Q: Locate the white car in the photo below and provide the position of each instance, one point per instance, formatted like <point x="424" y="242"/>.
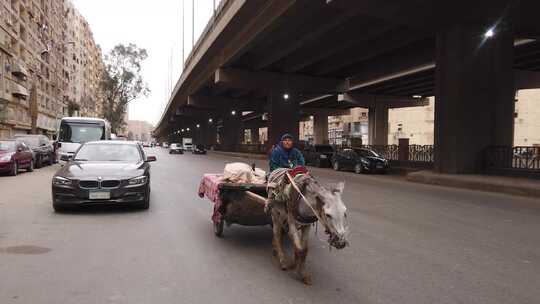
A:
<point x="176" y="149"/>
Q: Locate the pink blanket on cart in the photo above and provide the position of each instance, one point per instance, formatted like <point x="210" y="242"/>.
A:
<point x="209" y="187"/>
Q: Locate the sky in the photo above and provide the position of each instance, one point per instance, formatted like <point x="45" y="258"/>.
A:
<point x="155" y="25"/>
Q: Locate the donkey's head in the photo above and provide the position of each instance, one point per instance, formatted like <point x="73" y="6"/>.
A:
<point x="331" y="211"/>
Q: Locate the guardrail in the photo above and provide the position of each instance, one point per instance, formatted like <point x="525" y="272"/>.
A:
<point x="523" y="160"/>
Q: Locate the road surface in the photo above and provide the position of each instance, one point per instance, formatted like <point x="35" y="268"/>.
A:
<point x="410" y="243"/>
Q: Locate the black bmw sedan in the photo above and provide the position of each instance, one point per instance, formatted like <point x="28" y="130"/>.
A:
<point x="104" y="172"/>
<point x="360" y="161"/>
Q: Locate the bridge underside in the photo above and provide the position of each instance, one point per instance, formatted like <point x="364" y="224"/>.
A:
<point x="283" y="61"/>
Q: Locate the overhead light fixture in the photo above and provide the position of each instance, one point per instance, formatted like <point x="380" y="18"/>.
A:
<point x="209" y="120"/>
<point x="417" y="96"/>
<point x="233" y="112"/>
<point x="182" y="130"/>
<point x="187" y="129"/>
<point x="285" y="96"/>
<point x="489" y="33"/>
<point x="198" y="126"/>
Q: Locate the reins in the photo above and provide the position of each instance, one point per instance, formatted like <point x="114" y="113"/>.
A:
<point x="295" y="186"/>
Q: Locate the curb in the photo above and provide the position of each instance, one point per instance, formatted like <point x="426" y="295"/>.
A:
<point x="514" y="186"/>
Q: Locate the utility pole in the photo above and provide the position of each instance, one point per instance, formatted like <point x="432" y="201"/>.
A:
<point x="192" y="24"/>
<point x="183" y="62"/>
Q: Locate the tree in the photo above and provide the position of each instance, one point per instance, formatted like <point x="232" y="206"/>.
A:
<point x="122" y="82"/>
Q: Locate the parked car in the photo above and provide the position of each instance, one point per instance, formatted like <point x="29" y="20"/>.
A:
<point x="15" y="155"/>
<point x="41" y="147"/>
<point x="104" y="172"/>
<point x="176" y="148"/>
<point x="318" y="155"/>
<point x="360" y="161"/>
<point x="199" y="149"/>
<point x="165" y="145"/>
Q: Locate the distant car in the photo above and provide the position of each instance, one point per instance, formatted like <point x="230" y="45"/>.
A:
<point x="41" y="147"/>
<point x="360" y="161"/>
<point x="146" y="145"/>
<point x="106" y="173"/>
<point x="165" y="145"/>
<point x="15" y="155"/>
<point x="318" y="155"/>
<point x="199" y="149"/>
<point x="176" y="148"/>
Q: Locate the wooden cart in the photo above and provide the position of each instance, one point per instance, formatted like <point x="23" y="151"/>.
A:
<point x="234" y="203"/>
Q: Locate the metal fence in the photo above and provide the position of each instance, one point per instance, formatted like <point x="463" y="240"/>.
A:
<point x="416" y="153"/>
<point x="520" y="158"/>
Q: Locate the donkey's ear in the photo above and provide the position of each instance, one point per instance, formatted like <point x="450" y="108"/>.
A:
<point x="339" y="187"/>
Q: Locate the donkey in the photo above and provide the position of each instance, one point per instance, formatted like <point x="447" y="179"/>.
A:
<point x="298" y="202"/>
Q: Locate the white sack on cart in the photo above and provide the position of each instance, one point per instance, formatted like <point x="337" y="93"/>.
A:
<point x="243" y="173"/>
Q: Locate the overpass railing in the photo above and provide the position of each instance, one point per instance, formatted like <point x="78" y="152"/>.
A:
<point x="519" y="160"/>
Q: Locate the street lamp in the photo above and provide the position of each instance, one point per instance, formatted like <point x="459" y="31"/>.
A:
<point x="489" y="33"/>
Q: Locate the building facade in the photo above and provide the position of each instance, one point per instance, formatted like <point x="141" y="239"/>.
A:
<point x="49" y="66"/>
<point x="139" y="130"/>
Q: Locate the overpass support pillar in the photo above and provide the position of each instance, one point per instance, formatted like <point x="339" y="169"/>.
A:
<point x="378" y="125"/>
<point x="230" y="133"/>
<point x="474" y="104"/>
<point x="206" y="135"/>
<point x="320" y="128"/>
<point x="284" y="117"/>
<point x="254" y="132"/>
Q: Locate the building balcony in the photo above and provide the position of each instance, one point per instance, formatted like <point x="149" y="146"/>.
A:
<point x="19" y="91"/>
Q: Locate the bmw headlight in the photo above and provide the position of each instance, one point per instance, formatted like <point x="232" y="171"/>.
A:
<point x="141" y="180"/>
<point x="61" y="181"/>
<point x="6" y="157"/>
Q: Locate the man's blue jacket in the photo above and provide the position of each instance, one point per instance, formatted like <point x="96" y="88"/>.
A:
<point x="282" y="158"/>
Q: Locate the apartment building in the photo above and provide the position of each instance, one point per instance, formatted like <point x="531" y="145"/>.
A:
<point x="139" y="130"/>
<point x="49" y="66"/>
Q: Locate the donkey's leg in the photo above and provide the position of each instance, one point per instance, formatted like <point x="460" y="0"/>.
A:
<point x="277" y="240"/>
<point x="301" y="264"/>
<point x="300" y="251"/>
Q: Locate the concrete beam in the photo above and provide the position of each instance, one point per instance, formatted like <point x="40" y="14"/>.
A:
<point x="222" y="103"/>
<point x="369" y="100"/>
<point x="526" y="79"/>
<point x="277" y="83"/>
<point x="327" y="112"/>
<point x="393" y="40"/>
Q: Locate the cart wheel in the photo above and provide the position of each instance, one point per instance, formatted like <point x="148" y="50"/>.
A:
<point x="218" y="228"/>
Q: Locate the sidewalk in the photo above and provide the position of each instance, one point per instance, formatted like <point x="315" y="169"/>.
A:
<point x="491" y="183"/>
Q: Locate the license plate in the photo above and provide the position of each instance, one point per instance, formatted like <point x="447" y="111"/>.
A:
<point x="380" y="166"/>
<point x="99" y="195"/>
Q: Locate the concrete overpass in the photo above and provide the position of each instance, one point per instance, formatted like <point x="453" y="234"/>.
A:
<point x="289" y="59"/>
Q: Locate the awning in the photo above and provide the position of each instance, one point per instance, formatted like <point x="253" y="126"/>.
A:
<point x="18" y="90"/>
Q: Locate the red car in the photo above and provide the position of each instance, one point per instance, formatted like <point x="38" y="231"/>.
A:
<point x="15" y="155"/>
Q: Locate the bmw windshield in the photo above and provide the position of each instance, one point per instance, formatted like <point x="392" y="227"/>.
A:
<point x="108" y="152"/>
